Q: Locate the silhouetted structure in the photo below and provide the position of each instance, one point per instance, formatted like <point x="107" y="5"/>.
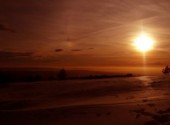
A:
<point x="62" y="74"/>
<point x="166" y="70"/>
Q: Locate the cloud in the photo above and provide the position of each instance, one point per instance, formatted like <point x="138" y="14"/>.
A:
<point x="90" y="48"/>
<point x="5" y="28"/>
<point x="12" y="58"/>
<point x="76" y="50"/>
<point x="157" y="63"/>
<point x="59" y="50"/>
<point x="8" y="54"/>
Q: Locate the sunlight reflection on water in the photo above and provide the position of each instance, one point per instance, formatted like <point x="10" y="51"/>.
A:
<point x="146" y="80"/>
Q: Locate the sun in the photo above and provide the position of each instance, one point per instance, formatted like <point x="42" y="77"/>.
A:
<point x="143" y="42"/>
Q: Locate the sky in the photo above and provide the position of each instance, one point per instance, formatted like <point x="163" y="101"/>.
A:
<point x="82" y="33"/>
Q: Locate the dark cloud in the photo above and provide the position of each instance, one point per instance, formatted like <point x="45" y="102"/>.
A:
<point x="5" y="28"/>
<point x="59" y="50"/>
<point x="77" y="50"/>
<point x="8" y="54"/>
<point x="157" y="64"/>
<point x="16" y="58"/>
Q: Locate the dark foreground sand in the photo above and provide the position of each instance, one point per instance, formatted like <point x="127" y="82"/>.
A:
<point x="119" y="101"/>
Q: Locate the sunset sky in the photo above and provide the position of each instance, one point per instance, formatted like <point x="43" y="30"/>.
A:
<point x="82" y="33"/>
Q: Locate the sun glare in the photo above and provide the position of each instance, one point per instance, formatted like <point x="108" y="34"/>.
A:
<point x="143" y="42"/>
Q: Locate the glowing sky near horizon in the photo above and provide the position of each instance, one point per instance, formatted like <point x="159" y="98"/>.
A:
<point x="82" y="32"/>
